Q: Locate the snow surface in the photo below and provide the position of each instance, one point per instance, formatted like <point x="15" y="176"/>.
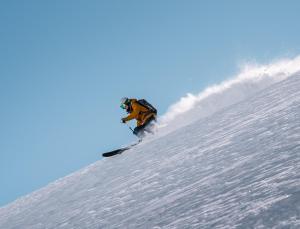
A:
<point x="251" y="79"/>
<point x="236" y="168"/>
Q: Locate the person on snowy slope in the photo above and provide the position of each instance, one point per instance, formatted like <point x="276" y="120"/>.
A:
<point x="142" y="111"/>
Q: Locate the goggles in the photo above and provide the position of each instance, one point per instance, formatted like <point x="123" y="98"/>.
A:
<point x="123" y="106"/>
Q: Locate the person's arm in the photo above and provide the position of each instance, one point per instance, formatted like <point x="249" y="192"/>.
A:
<point x="135" y="112"/>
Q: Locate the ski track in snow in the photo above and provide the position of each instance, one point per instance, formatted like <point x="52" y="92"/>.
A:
<point x="238" y="168"/>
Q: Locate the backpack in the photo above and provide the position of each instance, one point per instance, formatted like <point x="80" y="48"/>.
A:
<point x="147" y="105"/>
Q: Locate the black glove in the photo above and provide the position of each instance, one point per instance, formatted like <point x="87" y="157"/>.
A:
<point x="123" y="120"/>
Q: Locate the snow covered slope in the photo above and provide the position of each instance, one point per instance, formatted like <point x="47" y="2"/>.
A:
<point x="251" y="79"/>
<point x="237" y="168"/>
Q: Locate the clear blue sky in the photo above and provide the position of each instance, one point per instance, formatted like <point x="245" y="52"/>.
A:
<point x="66" y="64"/>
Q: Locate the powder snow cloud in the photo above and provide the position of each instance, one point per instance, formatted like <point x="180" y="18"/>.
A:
<point x="251" y="79"/>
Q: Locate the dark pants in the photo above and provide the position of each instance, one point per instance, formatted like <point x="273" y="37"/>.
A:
<point x="146" y="127"/>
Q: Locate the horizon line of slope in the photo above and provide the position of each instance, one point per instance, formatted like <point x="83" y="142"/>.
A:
<point x="238" y="167"/>
<point x="252" y="79"/>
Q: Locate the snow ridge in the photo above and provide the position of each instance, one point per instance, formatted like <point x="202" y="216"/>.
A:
<point x="251" y="79"/>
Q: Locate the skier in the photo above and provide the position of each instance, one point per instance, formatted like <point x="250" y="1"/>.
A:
<point x="142" y="111"/>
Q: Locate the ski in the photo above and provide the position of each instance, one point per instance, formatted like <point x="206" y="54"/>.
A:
<point x="119" y="151"/>
<point x="115" y="152"/>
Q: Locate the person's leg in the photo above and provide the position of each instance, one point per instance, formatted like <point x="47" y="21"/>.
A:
<point x="139" y="131"/>
<point x="147" y="126"/>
